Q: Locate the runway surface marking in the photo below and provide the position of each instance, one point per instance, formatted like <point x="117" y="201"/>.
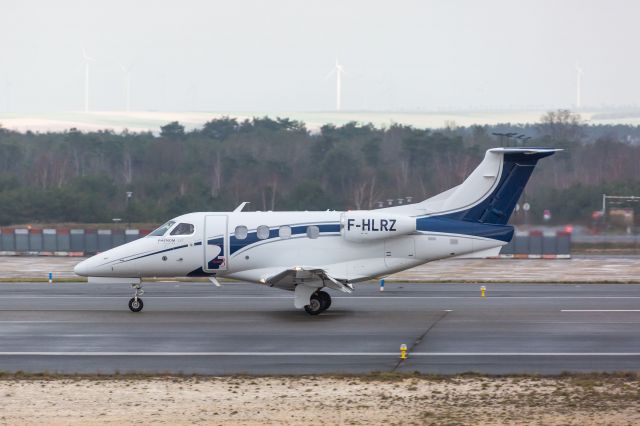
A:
<point x="422" y="337"/>
<point x="332" y="354"/>
<point x="333" y="297"/>
<point x="600" y="310"/>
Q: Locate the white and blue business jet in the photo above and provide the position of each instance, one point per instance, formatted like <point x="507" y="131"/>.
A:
<point x="307" y="252"/>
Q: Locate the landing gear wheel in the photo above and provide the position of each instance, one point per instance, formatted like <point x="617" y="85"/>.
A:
<point x="315" y="305"/>
<point x="135" y="304"/>
<point x="325" y="299"/>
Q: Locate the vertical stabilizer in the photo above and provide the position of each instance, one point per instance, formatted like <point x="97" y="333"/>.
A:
<point x="491" y="191"/>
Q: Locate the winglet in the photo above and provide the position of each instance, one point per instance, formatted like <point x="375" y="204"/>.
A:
<point x="241" y="206"/>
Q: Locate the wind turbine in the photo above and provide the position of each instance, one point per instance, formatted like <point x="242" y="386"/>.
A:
<point x="87" y="60"/>
<point x="337" y="70"/>
<point x="127" y="85"/>
<point x="578" y="86"/>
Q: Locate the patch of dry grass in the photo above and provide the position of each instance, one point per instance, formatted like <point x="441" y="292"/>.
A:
<point x="371" y="399"/>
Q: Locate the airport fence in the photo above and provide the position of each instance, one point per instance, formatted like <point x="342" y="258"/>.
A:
<point x="64" y="242"/>
<point x="81" y="242"/>
<point x="538" y="245"/>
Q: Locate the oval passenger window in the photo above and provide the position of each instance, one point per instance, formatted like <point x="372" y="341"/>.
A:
<point x="284" y="231"/>
<point x="263" y="232"/>
<point x="241" y="232"/>
<point x="313" y="231"/>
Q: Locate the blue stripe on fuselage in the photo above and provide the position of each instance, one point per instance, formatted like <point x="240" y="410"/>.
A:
<point x="427" y="224"/>
<point x="252" y="237"/>
<point x="462" y="227"/>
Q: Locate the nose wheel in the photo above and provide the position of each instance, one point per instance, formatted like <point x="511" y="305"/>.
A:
<point x="135" y="304"/>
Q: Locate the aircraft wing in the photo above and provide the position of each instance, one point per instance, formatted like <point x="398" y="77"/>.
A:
<point x="299" y="275"/>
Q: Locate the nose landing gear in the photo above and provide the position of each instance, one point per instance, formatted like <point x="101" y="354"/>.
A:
<point x="135" y="304"/>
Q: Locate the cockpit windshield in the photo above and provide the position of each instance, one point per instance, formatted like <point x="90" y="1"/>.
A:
<point x="183" y="229"/>
<point x="162" y="230"/>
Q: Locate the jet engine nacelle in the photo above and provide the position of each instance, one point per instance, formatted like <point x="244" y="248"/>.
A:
<point x="365" y="226"/>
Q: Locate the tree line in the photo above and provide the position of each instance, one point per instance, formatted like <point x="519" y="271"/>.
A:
<point x="278" y="164"/>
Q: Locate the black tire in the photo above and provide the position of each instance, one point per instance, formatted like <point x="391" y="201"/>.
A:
<point x="135" y="305"/>
<point x="325" y="299"/>
<point x="315" y="305"/>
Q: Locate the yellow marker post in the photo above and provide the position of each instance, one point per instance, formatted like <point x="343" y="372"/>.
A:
<point x="483" y="290"/>
<point x="403" y="351"/>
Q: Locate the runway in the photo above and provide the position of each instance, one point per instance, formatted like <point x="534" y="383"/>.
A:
<point x="244" y="328"/>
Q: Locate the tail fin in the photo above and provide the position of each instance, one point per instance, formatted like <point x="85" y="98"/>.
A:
<point x="490" y="193"/>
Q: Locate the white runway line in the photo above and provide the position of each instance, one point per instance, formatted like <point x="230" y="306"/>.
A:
<point x="329" y="354"/>
<point x="600" y="310"/>
<point x="333" y="297"/>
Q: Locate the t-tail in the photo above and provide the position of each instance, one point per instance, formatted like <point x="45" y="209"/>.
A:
<point x="490" y="193"/>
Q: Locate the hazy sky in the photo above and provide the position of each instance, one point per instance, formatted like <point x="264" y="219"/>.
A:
<point x="246" y="55"/>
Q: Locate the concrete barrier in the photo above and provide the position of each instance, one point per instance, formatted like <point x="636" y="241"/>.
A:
<point x="63" y="240"/>
<point x="117" y="238"/>
<point x="549" y="246"/>
<point x="81" y="242"/>
<point x="22" y="240"/>
<point x="76" y="240"/>
<point x="8" y="240"/>
<point x="104" y="240"/>
<point x="131" y="235"/>
<point x="537" y="245"/>
<point x="563" y="244"/>
<point x="521" y="245"/>
<point x="49" y="240"/>
<point x="35" y="240"/>
<point x="90" y="241"/>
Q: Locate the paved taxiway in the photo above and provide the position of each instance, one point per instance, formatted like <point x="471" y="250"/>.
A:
<point x="244" y="328"/>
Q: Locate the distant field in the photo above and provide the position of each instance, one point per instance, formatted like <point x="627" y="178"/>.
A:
<point x="152" y="120"/>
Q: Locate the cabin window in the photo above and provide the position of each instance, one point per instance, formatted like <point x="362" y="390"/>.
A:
<point x="183" y="229"/>
<point x="284" y="231"/>
<point x="162" y="230"/>
<point x="313" y="231"/>
<point x="263" y="232"/>
<point x="241" y="232"/>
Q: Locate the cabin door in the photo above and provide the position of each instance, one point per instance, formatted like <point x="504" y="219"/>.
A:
<point x="216" y="243"/>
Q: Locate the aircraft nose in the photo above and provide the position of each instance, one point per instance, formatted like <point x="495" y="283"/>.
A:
<point x="82" y="268"/>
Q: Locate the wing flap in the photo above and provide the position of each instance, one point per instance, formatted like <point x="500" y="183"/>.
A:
<point x="299" y="275"/>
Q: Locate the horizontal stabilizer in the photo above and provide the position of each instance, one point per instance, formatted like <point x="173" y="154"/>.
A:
<point x="528" y="151"/>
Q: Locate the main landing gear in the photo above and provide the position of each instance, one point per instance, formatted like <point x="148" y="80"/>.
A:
<point x="319" y="302"/>
<point x="135" y="304"/>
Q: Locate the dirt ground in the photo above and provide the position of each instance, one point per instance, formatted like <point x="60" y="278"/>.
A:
<point x="415" y="400"/>
<point x="596" y="269"/>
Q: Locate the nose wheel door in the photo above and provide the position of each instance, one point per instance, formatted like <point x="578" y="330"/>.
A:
<point x="215" y="243"/>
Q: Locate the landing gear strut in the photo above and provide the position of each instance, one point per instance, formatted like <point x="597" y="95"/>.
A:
<point x="135" y="304"/>
<point x="319" y="302"/>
